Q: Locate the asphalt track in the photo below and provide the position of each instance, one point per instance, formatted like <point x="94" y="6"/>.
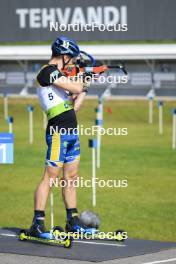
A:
<point x="128" y="252"/>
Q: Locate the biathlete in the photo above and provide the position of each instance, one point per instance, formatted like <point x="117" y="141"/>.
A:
<point x="63" y="153"/>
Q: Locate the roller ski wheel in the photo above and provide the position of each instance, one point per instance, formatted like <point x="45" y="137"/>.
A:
<point x="57" y="231"/>
<point x="68" y="243"/>
<point x="119" y="235"/>
<point x="23" y="234"/>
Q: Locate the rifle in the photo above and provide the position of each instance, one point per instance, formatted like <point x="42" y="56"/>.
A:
<point x="81" y="67"/>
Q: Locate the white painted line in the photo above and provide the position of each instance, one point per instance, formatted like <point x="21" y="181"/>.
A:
<point x="161" y="261"/>
<point x="8" y="235"/>
<point x="98" y="243"/>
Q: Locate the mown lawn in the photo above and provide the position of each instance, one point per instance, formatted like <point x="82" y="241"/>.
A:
<point x="145" y="209"/>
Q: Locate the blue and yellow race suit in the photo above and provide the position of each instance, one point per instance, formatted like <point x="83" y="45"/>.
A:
<point x="62" y="141"/>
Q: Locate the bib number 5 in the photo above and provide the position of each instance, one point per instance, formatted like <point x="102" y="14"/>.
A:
<point x="50" y="96"/>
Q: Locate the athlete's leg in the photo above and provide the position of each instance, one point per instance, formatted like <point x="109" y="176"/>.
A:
<point x="43" y="189"/>
<point x="40" y="199"/>
<point x="54" y="165"/>
<point x="70" y="174"/>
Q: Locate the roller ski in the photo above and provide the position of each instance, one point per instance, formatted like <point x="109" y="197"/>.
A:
<point x="38" y="234"/>
<point x="86" y="227"/>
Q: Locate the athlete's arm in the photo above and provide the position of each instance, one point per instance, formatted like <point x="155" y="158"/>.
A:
<point x="50" y="75"/>
<point x="78" y="101"/>
<point x="65" y="83"/>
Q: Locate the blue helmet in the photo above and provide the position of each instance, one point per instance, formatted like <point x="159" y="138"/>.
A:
<point x="65" y="46"/>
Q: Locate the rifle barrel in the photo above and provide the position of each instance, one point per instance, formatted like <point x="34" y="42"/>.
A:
<point x="118" y="67"/>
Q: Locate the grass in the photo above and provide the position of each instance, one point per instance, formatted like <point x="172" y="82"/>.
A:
<point x="145" y="209"/>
